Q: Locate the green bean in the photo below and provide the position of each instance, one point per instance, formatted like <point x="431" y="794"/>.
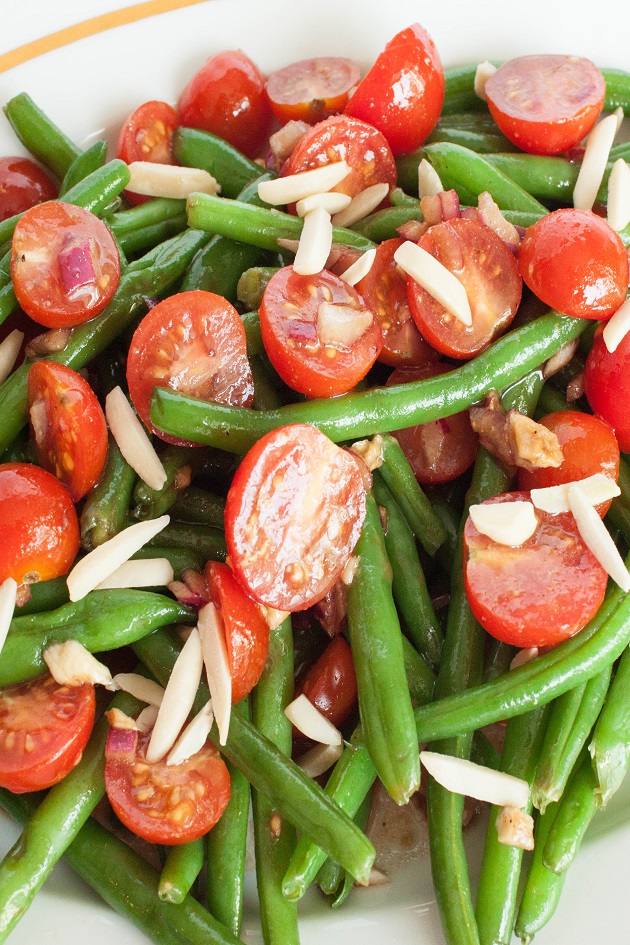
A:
<point x="379" y="410"/>
<point x="251" y="324"/>
<point x="181" y="559"/>
<point x="146" y="237"/>
<point x="180" y="871"/>
<point x="617" y="90"/>
<point x="84" y="164"/>
<point x="610" y="745"/>
<point x="484" y="753"/>
<point x="575" y="812"/>
<point x="347" y="885"/>
<point x="543" y="887"/>
<point x="481" y="142"/>
<point x="383" y="224"/>
<point x="40" y="136"/>
<point x="198" y="505"/>
<point x="107" y="505"/>
<point x="498" y="659"/>
<point x="265" y="393"/>
<point x="546" y="178"/>
<point x="459" y="91"/>
<point x="157" y="210"/>
<point x="233" y="171"/>
<point x="44" y="595"/>
<point x="252" y="285"/>
<point x="420" y="678"/>
<point x="201" y="539"/>
<point x="177" y="462"/>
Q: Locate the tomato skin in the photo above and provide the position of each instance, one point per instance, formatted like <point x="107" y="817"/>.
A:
<point x="312" y="89"/>
<point x="576" y="263"/>
<point x="40" y="528"/>
<point x="22" y="184"/>
<point x="227" y="98"/>
<point x="331" y="682"/>
<point x="290" y="315"/>
<point x="68" y="426"/>
<point x="55" y="230"/>
<point x="193" y="342"/>
<point x="147" y="135"/>
<point x="607" y="386"/>
<point x="546" y="104"/>
<point x="293" y="515"/>
<point x="539" y="593"/>
<point x="246" y="630"/>
<point x="162" y="803"/>
<point x="57" y="720"/>
<point x="403" y="93"/>
<point x="487" y="269"/>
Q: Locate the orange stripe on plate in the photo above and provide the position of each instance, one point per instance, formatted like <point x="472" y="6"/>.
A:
<point x="96" y="24"/>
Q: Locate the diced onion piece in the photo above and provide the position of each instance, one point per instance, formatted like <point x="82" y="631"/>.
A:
<point x="296" y="187"/>
<point x="597" y="488"/>
<point x="484" y="784"/>
<point x="507" y="523"/>
<point x="315" y="243"/>
<point x="122" y="743"/>
<point x="618" y="206"/>
<point x="178" y="700"/>
<point x="591" y="173"/>
<point x="193" y="738"/>
<point x="341" y="326"/>
<point x="597" y="538"/>
<point x="9" y="350"/>
<point x="429" y="183"/>
<point x="310" y="722"/>
<point x="168" y="180"/>
<point x="319" y="759"/>
<point x="104" y="560"/>
<point x="146" y="690"/>
<point x="362" y="205"/>
<point x="132" y="439"/>
<point x="436" y="279"/>
<point x="331" y="201"/>
<point x="484" y="71"/>
<point x="524" y="656"/>
<point x="617" y="327"/>
<point x="146" y="719"/>
<point x="149" y="572"/>
<point x="359" y="269"/>
<point x="8" y="597"/>
<point x="70" y="664"/>
<point x="217" y="667"/>
<point x="515" y="828"/>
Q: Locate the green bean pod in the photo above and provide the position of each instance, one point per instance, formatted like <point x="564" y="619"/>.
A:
<point x="198" y="505"/>
<point x="610" y="745"/>
<point x="543" y="887"/>
<point x="107" y="505"/>
<point x="40" y="135"/>
<point x="183" y="865"/>
<point x="252" y="284"/>
<point x="459" y="89"/>
<point x="177" y="462"/>
<point x="195" y="148"/>
<point x="84" y="164"/>
<point x="200" y="539"/>
<point x="575" y="812"/>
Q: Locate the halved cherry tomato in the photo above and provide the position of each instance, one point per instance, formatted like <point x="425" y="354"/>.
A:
<point x="317" y="332"/>
<point x="162" y="803"/>
<point x="546" y="104"/>
<point x="193" y="342"/>
<point x="64" y="265"/>
<point x="539" y="593"/>
<point x="403" y="93"/>
<point x="312" y="89"/>
<point x="589" y="446"/>
<point x="68" y="426"/>
<point x="44" y="728"/>
<point x="441" y="450"/>
<point x="607" y="386"/>
<point x="40" y="529"/>
<point x="147" y="136"/>
<point x="293" y="515"/>
<point x="227" y="98"/>
<point x="489" y="273"/>
<point x="331" y="682"/>
<point x="246" y="631"/>
<point x="23" y="183"/>
<point x="576" y="263"/>
<point x="385" y="292"/>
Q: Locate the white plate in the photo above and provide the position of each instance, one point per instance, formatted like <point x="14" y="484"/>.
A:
<point x="90" y="86"/>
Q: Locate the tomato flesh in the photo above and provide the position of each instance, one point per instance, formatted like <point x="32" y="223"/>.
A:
<point x="331" y="682"/>
<point x="312" y="89"/>
<point x="607" y="386"/>
<point x="44" y="728"/>
<point x="147" y="135"/>
<point x="22" y="184"/>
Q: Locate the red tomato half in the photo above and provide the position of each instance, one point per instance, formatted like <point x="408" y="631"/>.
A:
<point x="546" y="104"/>
<point x="40" y="529"/>
<point x="294" y="513"/>
<point x="537" y="594"/>
<point x="312" y="89"/>
<point x="403" y="93"/>
<point x="147" y="135"/>
<point x="489" y="273"/>
<point x="576" y="263"/>
<point x="44" y="728"/>
<point x="607" y="386"/>
<point x="68" y="426"/>
<point x="331" y="682"/>
<point x="246" y="631"/>
<point x="227" y="98"/>
<point x="317" y="332"/>
<point x="193" y="342"/>
<point x="22" y="184"/>
<point x="64" y="264"/>
<point x="162" y="803"/>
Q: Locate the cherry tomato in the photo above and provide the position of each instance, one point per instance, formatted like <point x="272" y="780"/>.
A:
<point x="246" y="630"/>
<point x="193" y="342"/>
<point x="162" y="803"/>
<point x="607" y="386"/>
<point x="489" y="273"/>
<point x="40" y="529"/>
<point x="227" y="98"/>
<point x="576" y="263"/>
<point x="147" y="136"/>
<point x="44" y="728"/>
<point x="293" y="515"/>
<point x="64" y="264"/>
<point x="317" y="332"/>
<point x="331" y="682"/>
<point x="537" y="594"/>
<point x="441" y="450"/>
<point x="22" y="184"/>
<point x="68" y="426"/>
<point x="403" y="93"/>
<point x="385" y="292"/>
<point x="546" y="104"/>
<point x="312" y="89"/>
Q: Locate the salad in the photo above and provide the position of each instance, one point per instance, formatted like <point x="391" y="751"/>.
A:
<point x="362" y="618"/>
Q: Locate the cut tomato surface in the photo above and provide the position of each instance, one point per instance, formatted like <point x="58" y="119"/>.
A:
<point x="331" y="682"/>
<point x="147" y="135"/>
<point x="23" y="183"/>
<point x="312" y="89"/>
<point x="607" y="386"/>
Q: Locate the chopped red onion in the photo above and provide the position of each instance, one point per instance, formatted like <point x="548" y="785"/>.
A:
<point x="412" y="230"/>
<point x="76" y="264"/>
<point x="440" y="207"/>
<point x="490" y="214"/>
<point x="122" y="742"/>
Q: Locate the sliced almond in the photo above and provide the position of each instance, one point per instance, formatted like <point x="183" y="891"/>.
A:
<point x="193" y="738"/>
<point x="146" y="718"/>
<point x="365" y="202"/>
<point x="593" y="166"/>
<point x="484" y="784"/>
<point x="296" y="187"/>
<point x="9" y="351"/>
<point x="310" y="722"/>
<point x="482" y="74"/>
<point x="617" y="327"/>
<point x="146" y="690"/>
<point x="555" y="499"/>
<point x="217" y="667"/>
<point x="436" y="279"/>
<point x="597" y="538"/>
<point x="319" y="759"/>
<point x="515" y="828"/>
<point x="507" y="523"/>
<point x="168" y="180"/>
<point x="315" y="243"/>
<point x="178" y="700"/>
<point x="8" y="598"/>
<point x="524" y="656"/>
<point x="359" y="269"/>
<point x="71" y="664"/>
<point x="618" y="206"/>
<point x="146" y="572"/>
<point x="132" y="439"/>
<point x="331" y="201"/>
<point x="429" y="183"/>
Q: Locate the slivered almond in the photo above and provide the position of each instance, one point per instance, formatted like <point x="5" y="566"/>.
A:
<point x="147" y="572"/>
<point x="178" y="700"/>
<point x="507" y="523"/>
<point x="515" y="828"/>
<point x="8" y="597"/>
<point x="482" y="74"/>
<point x="217" y="665"/>
<point x="146" y="719"/>
<point x="591" y="172"/>
<point x="319" y="759"/>
<point x="465" y="777"/>
<point x="617" y="327"/>
<point x="193" y="738"/>
<point x="359" y="269"/>
<point x="132" y="439"/>
<point x="436" y="279"/>
<point x="9" y="350"/>
<point x="618" y="206"/>
<point x="331" y="201"/>
<point x="429" y="183"/>
<point x="362" y="205"/>
<point x="555" y="499"/>
<point x="524" y="656"/>
<point x="310" y="722"/>
<point x="597" y="538"/>
<point x="168" y="180"/>
<point x="146" y="690"/>
<point x="315" y="243"/>
<point x="296" y="187"/>
<point x="71" y="664"/>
